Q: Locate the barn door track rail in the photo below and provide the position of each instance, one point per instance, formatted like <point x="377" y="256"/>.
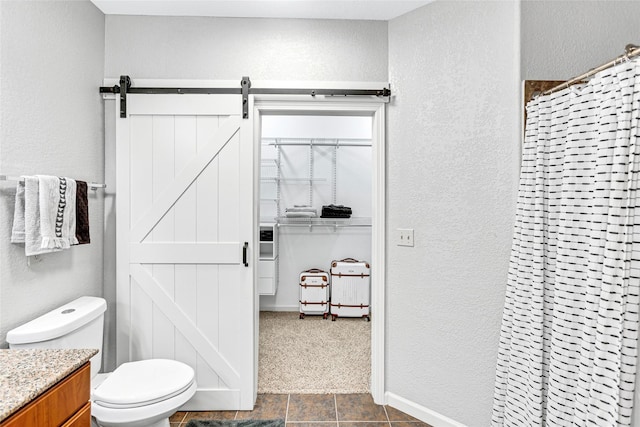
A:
<point x="245" y="90"/>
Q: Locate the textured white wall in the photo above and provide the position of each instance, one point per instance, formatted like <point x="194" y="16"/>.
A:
<point x="453" y="142"/>
<point x="228" y="48"/>
<point x="563" y="39"/>
<point x="51" y="115"/>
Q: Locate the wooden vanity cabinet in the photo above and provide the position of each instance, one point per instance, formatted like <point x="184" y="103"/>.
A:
<point x="66" y="404"/>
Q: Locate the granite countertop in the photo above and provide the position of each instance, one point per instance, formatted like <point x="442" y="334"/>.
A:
<point x="26" y="374"/>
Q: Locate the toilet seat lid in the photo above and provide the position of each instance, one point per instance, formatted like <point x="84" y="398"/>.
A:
<point x="144" y="382"/>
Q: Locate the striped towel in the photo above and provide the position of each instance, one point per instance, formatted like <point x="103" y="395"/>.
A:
<point x="57" y="199"/>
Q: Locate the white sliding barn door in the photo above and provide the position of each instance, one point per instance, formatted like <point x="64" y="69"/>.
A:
<point x="185" y="207"/>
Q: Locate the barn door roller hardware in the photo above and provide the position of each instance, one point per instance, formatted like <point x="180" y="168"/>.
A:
<point x="125" y="85"/>
<point x="245" y="84"/>
<point x="245" y="90"/>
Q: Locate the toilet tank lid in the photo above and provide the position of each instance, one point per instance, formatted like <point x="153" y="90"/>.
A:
<point x="58" y="322"/>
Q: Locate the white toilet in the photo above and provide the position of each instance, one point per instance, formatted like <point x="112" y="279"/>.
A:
<point x="136" y="394"/>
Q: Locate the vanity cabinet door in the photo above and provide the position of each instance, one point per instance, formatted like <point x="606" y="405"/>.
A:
<point x="58" y="405"/>
<point x="82" y="418"/>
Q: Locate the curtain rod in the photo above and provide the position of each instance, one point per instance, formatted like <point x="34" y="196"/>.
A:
<point x="630" y="51"/>
<point x="91" y="185"/>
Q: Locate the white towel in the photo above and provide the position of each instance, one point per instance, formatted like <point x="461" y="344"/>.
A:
<point x="17" y="231"/>
<point x="302" y="208"/>
<point x="300" y="214"/>
<point x="26" y="218"/>
<point x="57" y="212"/>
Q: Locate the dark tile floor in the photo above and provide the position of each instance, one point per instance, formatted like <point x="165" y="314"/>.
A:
<point x="312" y="410"/>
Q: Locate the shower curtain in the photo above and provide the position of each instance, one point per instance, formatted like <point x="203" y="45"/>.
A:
<point x="568" y="341"/>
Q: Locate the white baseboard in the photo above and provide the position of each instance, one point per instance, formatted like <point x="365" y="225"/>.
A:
<point x="420" y="412"/>
<point x="279" y="308"/>
<point x="213" y="400"/>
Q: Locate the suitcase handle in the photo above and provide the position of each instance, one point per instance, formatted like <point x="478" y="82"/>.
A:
<point x="314" y="270"/>
<point x="351" y="260"/>
<point x="324" y="279"/>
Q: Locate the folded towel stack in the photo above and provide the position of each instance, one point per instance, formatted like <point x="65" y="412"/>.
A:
<point x="45" y="215"/>
<point x="336" y="211"/>
<point x="301" y="211"/>
<point x="266" y="235"/>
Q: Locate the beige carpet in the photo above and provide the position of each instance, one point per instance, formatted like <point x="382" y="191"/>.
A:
<point x="313" y="355"/>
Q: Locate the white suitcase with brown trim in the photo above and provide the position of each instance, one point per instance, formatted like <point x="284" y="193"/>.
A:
<point x="314" y="292"/>
<point x="350" y="288"/>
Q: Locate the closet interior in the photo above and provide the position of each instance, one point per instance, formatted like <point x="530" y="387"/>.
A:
<point x="315" y="207"/>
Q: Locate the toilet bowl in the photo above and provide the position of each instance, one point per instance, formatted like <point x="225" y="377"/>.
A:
<point x="141" y="394"/>
<point x="144" y="393"/>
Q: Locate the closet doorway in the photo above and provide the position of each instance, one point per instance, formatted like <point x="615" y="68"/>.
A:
<point x="315" y="154"/>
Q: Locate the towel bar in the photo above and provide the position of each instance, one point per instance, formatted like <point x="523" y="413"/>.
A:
<point x="91" y="185"/>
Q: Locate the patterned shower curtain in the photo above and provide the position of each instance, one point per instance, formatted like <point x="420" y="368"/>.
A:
<point x="568" y="341"/>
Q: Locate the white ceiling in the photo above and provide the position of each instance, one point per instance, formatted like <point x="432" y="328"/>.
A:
<point x="311" y="9"/>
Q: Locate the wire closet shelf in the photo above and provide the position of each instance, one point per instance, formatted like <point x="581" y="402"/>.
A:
<point x="309" y="222"/>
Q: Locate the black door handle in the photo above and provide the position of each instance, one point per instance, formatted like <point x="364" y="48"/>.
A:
<point x="244" y="254"/>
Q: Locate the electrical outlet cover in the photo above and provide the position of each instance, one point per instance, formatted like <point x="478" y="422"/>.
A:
<point x="405" y="236"/>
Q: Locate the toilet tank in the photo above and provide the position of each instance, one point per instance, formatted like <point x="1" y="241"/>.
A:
<point x="78" y="324"/>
